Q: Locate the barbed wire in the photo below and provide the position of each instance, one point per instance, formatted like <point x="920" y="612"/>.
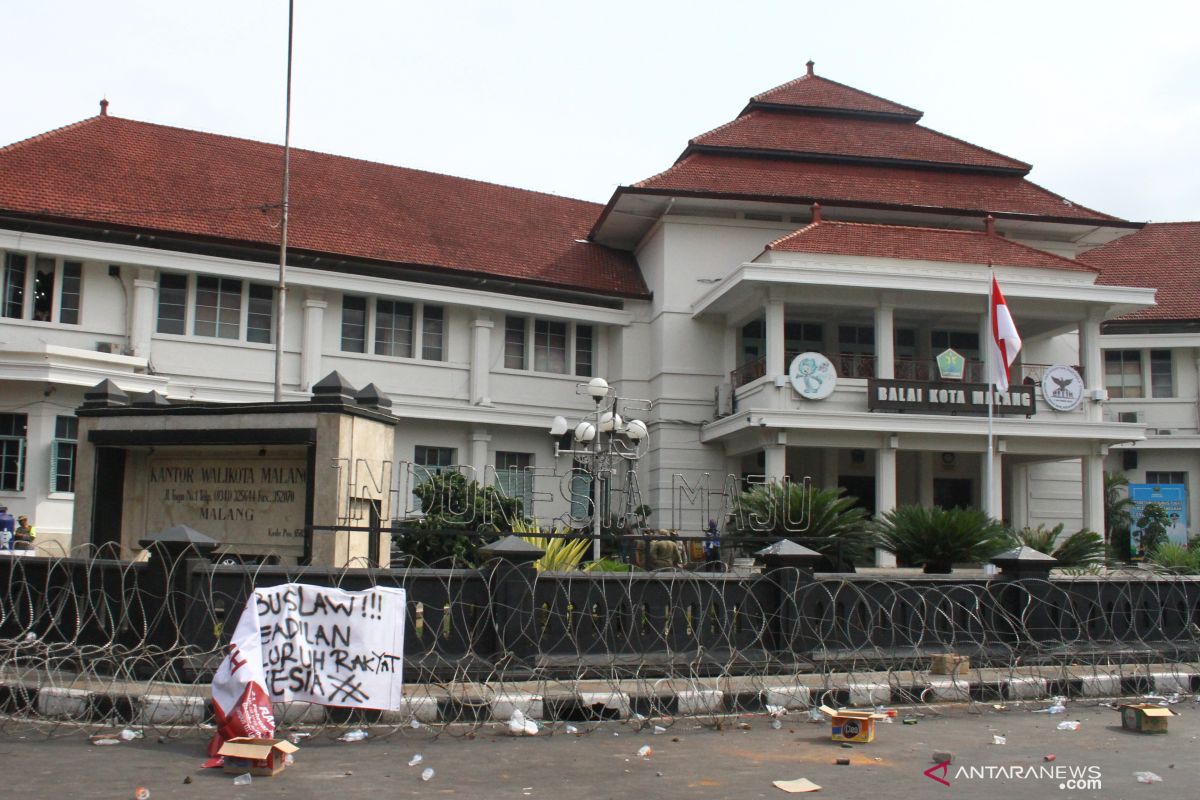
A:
<point x="92" y="643"/>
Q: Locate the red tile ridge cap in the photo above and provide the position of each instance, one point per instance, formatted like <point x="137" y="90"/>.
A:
<point x="907" y="110"/>
<point x="8" y="148"/>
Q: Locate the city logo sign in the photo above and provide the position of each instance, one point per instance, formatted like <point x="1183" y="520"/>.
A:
<point x="812" y="376"/>
<point x="1062" y="387"/>
<point x="951" y="365"/>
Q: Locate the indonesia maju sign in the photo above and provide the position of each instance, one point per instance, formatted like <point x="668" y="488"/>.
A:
<point x="928" y="397"/>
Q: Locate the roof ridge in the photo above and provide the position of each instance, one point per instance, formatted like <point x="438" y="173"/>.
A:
<point x="989" y="151"/>
<point x="757" y="98"/>
<point x="1072" y="204"/>
<point x="231" y="138"/>
<point x="8" y="148"/>
<point x="797" y="232"/>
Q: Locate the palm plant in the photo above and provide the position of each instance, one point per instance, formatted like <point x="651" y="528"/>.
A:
<point x="938" y="538"/>
<point x="1118" y="515"/>
<point x="1175" y="559"/>
<point x="1080" y="550"/>
<point x="793" y="510"/>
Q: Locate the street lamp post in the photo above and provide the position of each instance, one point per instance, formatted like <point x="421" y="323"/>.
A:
<point x="598" y="444"/>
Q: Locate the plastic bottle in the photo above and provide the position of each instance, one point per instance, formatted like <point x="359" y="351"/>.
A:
<point x="242" y="780"/>
<point x="417" y="759"/>
<point x="645" y="751"/>
<point x="427" y="774"/>
<point x="1147" y="777"/>
<point x="354" y="736"/>
<point x="1069" y="725"/>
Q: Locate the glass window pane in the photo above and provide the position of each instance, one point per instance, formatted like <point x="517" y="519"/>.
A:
<point x="72" y="288"/>
<point x="1162" y="382"/>
<point x="354" y="324"/>
<point x="14" y="285"/>
<point x="260" y="313"/>
<point x="432" y="333"/>
<point x="583" y="350"/>
<point x="172" y="303"/>
<point x="218" y="307"/>
<point x="1123" y="373"/>
<point x="43" y="288"/>
<point x="549" y="346"/>
<point x="393" y="329"/>
<point x="12" y="452"/>
<point x="514" y="478"/>
<point x="514" y="343"/>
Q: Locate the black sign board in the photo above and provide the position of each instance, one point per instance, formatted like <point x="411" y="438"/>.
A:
<point x="946" y="397"/>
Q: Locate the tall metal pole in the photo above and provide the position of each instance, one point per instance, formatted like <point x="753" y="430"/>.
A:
<point x="281" y="288"/>
<point x="990" y="368"/>
<point x="596" y="471"/>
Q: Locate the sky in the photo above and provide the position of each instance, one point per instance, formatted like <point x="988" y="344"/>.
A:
<point x="572" y="98"/>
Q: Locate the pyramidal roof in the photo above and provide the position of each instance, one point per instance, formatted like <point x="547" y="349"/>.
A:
<point x="811" y="91"/>
<point x="816" y="140"/>
<point x="1163" y="255"/>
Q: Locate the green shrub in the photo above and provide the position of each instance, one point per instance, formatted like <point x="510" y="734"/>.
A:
<point x="449" y="502"/>
<point x="1175" y="559"/>
<point x="1080" y="550"/>
<point x="938" y="538"/>
<point x="794" y="510"/>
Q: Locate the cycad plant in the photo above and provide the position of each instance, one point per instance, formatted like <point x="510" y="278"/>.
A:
<point x="1175" y="559"/>
<point x="1080" y="550"/>
<point x="561" y="553"/>
<point x="794" y="510"/>
<point x="938" y="538"/>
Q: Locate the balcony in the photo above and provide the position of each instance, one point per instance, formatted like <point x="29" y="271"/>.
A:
<point x="855" y="365"/>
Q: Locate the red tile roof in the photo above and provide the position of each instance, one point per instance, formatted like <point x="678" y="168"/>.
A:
<point x="862" y="184"/>
<point x="761" y="129"/>
<point x="813" y="91"/>
<point x="1164" y="256"/>
<point x="924" y="244"/>
<point x="116" y="172"/>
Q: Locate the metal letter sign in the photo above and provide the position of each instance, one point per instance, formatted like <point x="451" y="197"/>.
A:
<point x="926" y="397"/>
<point x="1062" y="388"/>
<point x="813" y="376"/>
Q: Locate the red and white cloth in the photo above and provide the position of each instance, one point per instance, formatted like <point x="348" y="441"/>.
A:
<point x="1004" y="342"/>
<point x="240" y="700"/>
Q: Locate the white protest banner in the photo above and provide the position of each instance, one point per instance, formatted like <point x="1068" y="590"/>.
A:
<point x="332" y="647"/>
<point x="314" y="644"/>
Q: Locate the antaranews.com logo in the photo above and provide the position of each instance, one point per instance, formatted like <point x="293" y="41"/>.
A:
<point x="1066" y="776"/>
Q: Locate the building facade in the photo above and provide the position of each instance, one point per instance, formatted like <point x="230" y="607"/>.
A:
<point x="821" y="220"/>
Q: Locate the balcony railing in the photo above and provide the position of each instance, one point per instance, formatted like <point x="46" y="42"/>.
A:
<point x="856" y="365"/>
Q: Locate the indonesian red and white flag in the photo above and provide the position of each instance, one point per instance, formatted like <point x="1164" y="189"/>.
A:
<point x="1005" y="342"/>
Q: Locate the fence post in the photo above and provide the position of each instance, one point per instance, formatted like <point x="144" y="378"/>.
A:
<point x="174" y="553"/>
<point x="1028" y="572"/>
<point x="510" y="577"/>
<point x="789" y="566"/>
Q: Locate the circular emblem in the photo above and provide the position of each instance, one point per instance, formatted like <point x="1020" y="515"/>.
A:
<point x="850" y="729"/>
<point x="812" y="376"/>
<point x="1062" y="388"/>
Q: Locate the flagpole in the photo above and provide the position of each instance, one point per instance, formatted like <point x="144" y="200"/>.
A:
<point x="989" y="368"/>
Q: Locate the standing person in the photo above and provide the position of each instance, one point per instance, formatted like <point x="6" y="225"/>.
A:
<point x="7" y="526"/>
<point x="24" y="535"/>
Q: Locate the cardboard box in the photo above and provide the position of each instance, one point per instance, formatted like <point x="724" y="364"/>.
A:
<point x="264" y="757"/>
<point x="1145" y="717"/>
<point x="949" y="664"/>
<point x="852" y="726"/>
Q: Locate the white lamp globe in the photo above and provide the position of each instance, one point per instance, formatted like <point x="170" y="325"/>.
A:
<point x="558" y="426"/>
<point x="610" y="422"/>
<point x="597" y="388"/>
<point x="636" y="430"/>
<point x="585" y="432"/>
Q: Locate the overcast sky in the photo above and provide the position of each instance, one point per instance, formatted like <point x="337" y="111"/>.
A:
<point x="1103" y="98"/>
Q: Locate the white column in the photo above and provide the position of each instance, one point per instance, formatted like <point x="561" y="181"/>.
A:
<point x="885" y="490"/>
<point x="1144" y="359"/>
<point x="1092" y="467"/>
<point x="479" y="454"/>
<point x="775" y="468"/>
<point x="481" y="356"/>
<point x="314" y="339"/>
<point x="925" y="467"/>
<point x="141" y="320"/>
<point x="1093" y="364"/>
<point x="775" y="353"/>
<point x="829" y="468"/>
<point x="885" y="342"/>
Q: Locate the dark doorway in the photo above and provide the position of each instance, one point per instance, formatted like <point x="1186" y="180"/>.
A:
<point x="108" y="499"/>
<point x="861" y="487"/>
<point x="953" y="492"/>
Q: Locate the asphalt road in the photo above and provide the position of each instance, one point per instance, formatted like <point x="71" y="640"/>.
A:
<point x="688" y="761"/>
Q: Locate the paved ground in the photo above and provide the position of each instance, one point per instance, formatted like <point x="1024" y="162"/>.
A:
<point x="688" y="761"/>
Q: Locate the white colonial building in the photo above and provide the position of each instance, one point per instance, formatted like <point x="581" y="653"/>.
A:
<point x="820" y="220"/>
